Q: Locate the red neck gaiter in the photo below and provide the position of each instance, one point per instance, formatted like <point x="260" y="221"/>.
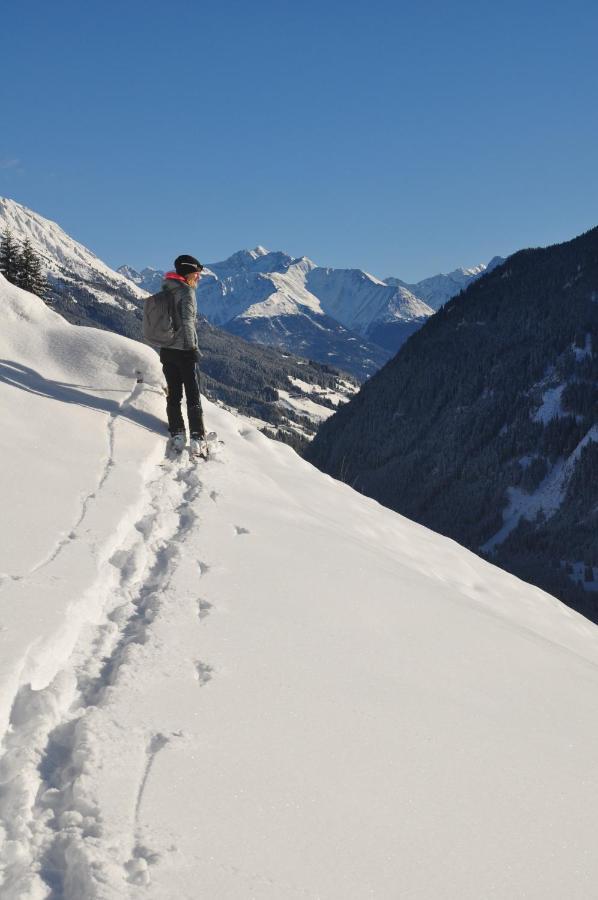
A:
<point x="174" y="277"/>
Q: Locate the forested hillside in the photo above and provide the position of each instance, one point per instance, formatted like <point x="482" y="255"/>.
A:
<point x="484" y="426"/>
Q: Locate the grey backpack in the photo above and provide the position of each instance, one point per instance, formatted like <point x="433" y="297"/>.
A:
<point x="160" y="319"/>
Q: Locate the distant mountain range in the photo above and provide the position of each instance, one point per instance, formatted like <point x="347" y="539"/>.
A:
<point x="345" y="317"/>
<point x="484" y="426"/>
<point x="438" y="289"/>
<point x="317" y="322"/>
<point x="282" y="392"/>
<point x="149" y="280"/>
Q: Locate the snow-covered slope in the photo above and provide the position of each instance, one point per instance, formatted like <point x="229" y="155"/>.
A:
<point x="385" y="314"/>
<point x="359" y="300"/>
<point x="244" y="680"/>
<point x="66" y="262"/>
<point x="256" y="283"/>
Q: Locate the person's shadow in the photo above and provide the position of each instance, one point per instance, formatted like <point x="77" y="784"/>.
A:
<point x="29" y="380"/>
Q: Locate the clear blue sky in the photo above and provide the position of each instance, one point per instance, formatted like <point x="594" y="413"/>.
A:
<point x="403" y="138"/>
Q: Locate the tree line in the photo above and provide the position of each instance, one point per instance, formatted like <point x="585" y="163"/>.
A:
<point x="21" y="265"/>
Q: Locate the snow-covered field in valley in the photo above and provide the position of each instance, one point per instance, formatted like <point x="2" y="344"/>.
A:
<point x="240" y="679"/>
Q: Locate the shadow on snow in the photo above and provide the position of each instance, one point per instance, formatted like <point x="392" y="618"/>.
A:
<point x="29" y="380"/>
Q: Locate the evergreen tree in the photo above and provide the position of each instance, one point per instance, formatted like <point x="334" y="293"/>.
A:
<point x="40" y="283"/>
<point x="26" y="257"/>
<point x="30" y="276"/>
<point x="9" y="256"/>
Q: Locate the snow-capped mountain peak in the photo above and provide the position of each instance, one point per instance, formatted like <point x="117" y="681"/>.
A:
<point x="269" y="296"/>
<point x="471" y="271"/>
<point x="245" y="260"/>
<point x="130" y="273"/>
<point x="360" y="301"/>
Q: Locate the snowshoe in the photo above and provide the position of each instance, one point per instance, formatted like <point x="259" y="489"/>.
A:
<point x="213" y="443"/>
<point x="177" y="442"/>
<point x="198" y="448"/>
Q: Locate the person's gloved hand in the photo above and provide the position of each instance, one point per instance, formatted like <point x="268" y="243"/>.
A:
<point x="197" y="355"/>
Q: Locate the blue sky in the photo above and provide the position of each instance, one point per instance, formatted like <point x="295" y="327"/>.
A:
<point x="403" y="138"/>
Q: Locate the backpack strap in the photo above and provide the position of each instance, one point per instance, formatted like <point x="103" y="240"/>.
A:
<point x="173" y="310"/>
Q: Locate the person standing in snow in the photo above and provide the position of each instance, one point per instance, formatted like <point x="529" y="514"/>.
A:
<point x="180" y="359"/>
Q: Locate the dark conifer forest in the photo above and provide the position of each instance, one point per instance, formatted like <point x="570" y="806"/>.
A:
<point x="457" y="423"/>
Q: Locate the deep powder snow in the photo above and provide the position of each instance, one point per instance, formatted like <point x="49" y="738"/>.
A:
<point x="241" y="679"/>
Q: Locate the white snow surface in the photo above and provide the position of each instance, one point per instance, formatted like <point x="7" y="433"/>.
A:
<point x="346" y="389"/>
<point x="62" y="256"/>
<point x="304" y="398"/>
<point x="358" y="299"/>
<point x="304" y="406"/>
<point x="241" y="679"/>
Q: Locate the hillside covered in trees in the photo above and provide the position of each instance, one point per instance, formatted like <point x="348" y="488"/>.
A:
<point x="484" y="426"/>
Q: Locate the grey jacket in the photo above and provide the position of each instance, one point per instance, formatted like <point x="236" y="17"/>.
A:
<point x="186" y="312"/>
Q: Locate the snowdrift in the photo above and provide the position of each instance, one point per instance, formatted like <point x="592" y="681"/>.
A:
<point x="241" y="679"/>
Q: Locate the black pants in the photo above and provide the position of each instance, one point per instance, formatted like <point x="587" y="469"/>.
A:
<point x="180" y="371"/>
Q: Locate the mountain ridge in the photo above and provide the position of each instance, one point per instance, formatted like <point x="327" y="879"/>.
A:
<point x="438" y="289"/>
<point x="256" y="293"/>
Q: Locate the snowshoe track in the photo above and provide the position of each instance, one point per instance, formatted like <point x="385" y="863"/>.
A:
<point x="48" y="817"/>
<point x="88" y="499"/>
